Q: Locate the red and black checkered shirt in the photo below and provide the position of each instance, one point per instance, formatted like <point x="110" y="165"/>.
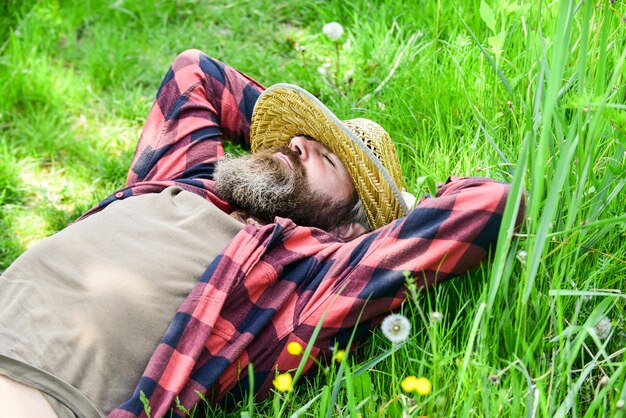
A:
<point x="272" y="285"/>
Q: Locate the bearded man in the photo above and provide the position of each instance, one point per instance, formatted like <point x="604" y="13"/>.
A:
<point x="202" y="265"/>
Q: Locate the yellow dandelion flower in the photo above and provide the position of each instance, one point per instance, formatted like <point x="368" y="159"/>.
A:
<point x="339" y="355"/>
<point x="408" y="383"/>
<point x="423" y="386"/>
<point x="294" y="348"/>
<point x="283" y="382"/>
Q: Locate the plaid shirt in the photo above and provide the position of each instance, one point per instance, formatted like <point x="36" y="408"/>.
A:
<point x="272" y="285"/>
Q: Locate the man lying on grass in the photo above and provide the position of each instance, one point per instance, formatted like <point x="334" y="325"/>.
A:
<point x="203" y="264"/>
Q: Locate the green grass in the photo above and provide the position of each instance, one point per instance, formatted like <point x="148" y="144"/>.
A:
<point x="532" y="94"/>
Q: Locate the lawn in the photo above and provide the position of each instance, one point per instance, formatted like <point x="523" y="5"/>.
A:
<point x="527" y="92"/>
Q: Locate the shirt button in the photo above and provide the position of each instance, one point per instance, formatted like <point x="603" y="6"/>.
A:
<point x="119" y="195"/>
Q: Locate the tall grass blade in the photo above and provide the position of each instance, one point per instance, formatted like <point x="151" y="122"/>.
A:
<point x="469" y="350"/>
<point x="507" y="226"/>
<point x="549" y="210"/>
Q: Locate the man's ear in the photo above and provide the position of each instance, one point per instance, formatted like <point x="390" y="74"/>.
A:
<point x="348" y="232"/>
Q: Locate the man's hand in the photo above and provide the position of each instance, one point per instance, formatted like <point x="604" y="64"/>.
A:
<point x="409" y="199"/>
<point x="244" y="218"/>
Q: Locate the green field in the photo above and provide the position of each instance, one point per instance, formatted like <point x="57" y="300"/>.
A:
<point x="528" y="92"/>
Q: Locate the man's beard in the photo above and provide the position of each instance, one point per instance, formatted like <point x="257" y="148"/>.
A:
<point x="262" y="186"/>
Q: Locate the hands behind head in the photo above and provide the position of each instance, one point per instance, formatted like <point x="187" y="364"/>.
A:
<point x="409" y="199"/>
<point x="244" y="218"/>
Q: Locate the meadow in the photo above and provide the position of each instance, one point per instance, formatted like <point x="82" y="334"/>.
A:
<point x="528" y="92"/>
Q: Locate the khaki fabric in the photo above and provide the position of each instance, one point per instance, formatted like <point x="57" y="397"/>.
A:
<point x="82" y="311"/>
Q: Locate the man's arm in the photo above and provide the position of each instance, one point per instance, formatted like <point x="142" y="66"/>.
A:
<point x="285" y="278"/>
<point x="443" y="237"/>
<point x="356" y="284"/>
<point x="200" y="102"/>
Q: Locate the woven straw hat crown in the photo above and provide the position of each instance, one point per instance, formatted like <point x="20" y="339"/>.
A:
<point x="365" y="148"/>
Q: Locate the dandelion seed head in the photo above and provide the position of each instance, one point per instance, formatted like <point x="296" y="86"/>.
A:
<point x="494" y="379"/>
<point x="521" y="256"/>
<point x="348" y="75"/>
<point x="603" y="328"/>
<point x="323" y="69"/>
<point x="436" y="316"/>
<point x="604" y="381"/>
<point x="333" y="30"/>
<point x="396" y="328"/>
<point x="619" y="404"/>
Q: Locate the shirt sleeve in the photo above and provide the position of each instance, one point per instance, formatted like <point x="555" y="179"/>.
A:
<point x="443" y="237"/>
<point x="200" y="102"/>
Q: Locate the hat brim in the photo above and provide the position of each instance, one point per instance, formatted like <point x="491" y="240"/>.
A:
<point x="285" y="110"/>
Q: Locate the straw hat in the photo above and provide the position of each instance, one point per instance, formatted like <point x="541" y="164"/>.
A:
<point x="365" y="148"/>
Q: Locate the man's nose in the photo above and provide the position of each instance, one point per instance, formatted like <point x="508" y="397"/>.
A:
<point x="301" y="146"/>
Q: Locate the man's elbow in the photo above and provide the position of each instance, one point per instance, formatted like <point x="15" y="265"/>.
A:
<point x="521" y="204"/>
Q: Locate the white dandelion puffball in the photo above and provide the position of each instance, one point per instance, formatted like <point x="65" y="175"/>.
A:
<point x="436" y="316"/>
<point x="396" y="328"/>
<point x="333" y="30"/>
<point x="603" y="328"/>
<point x="323" y="69"/>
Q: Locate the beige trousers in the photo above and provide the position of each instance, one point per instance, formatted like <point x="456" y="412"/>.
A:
<point x="20" y="401"/>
